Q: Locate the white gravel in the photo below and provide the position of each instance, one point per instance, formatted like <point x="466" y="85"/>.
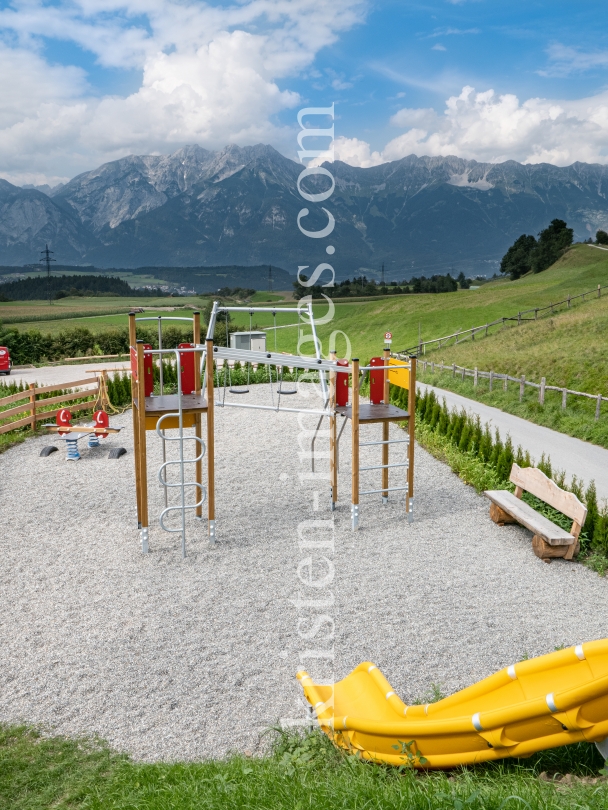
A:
<point x="182" y="659"/>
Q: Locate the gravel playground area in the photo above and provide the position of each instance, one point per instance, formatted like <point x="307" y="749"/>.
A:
<point x="169" y="658"/>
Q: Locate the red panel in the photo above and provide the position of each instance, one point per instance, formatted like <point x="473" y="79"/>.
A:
<point x="64" y="419"/>
<point x="376" y="381"/>
<point x="186" y="362"/>
<point x="101" y="419"/>
<point x="148" y="370"/>
<point x="342" y="385"/>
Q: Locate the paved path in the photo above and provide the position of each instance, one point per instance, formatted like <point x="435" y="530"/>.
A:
<point x="577" y="457"/>
<point x="58" y="375"/>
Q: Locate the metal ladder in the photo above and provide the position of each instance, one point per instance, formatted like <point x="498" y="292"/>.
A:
<point x="410" y="511"/>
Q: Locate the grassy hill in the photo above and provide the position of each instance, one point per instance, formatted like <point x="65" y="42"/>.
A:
<point x="568" y="349"/>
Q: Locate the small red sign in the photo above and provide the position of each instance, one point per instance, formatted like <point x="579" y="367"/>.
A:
<point x="388" y="335"/>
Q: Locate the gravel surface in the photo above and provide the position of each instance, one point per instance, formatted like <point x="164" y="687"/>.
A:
<point x="58" y="375"/>
<point x="170" y="658"/>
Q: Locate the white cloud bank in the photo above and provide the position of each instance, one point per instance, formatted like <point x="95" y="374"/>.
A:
<point x="209" y="75"/>
<point x="493" y="128"/>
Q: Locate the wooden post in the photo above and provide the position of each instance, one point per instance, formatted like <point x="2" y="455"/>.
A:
<point x="552" y="307"/>
<point x="210" y="442"/>
<point x="597" y="407"/>
<point x="564" y="397"/>
<point x="411" y="429"/>
<point x="541" y="391"/>
<point x="141" y="428"/>
<point x="536" y="314"/>
<point x="442" y="366"/>
<point x="522" y="387"/>
<point x="132" y="345"/>
<point x="333" y="461"/>
<point x="599" y="294"/>
<point x="432" y="367"/>
<point x="472" y="333"/>
<point x="198" y="419"/>
<point x="475" y="377"/>
<point x="506" y="381"/>
<point x="355" y="443"/>
<point x="486" y="330"/>
<point x="32" y="387"/>
<point x="454" y="370"/>
<point x="518" y="318"/>
<point x="463" y="373"/>
<point x="491" y="379"/>
<point x="568" y="300"/>
<point x="385" y="428"/>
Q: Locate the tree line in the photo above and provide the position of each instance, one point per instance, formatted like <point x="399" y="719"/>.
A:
<point x="37" y="288"/>
<point x="362" y="286"/>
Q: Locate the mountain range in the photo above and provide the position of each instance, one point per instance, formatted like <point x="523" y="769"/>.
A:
<point x="239" y="206"/>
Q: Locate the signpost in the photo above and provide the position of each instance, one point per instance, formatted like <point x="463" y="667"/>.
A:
<point x="388" y="337"/>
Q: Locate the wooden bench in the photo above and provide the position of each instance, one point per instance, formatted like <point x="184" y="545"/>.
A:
<point x="549" y="540"/>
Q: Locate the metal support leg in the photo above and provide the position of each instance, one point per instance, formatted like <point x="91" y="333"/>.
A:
<point x="355" y="516"/>
<point x="144" y="540"/>
<point x="410" y="511"/>
<point x="212" y="532"/>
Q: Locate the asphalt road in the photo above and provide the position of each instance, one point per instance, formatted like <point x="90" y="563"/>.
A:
<point x="585" y="460"/>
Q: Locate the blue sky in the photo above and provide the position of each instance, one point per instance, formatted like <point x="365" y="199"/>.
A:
<point x="87" y="82"/>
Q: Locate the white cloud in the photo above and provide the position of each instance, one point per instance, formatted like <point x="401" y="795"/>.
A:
<point x="492" y="128"/>
<point x="209" y="75"/>
<point x="442" y="32"/>
<point x="565" y="60"/>
<point x="439" y="47"/>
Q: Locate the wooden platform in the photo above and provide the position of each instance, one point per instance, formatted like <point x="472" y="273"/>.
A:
<point x="368" y="414"/>
<point x="192" y="404"/>
<point x="169" y="403"/>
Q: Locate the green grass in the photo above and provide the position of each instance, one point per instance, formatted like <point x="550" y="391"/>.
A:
<point x="577" y="420"/>
<point x="265" y="296"/>
<point x="300" y="771"/>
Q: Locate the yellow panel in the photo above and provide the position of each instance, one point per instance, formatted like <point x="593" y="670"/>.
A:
<point x="534" y="705"/>
<point x="399" y="376"/>
<point x="170" y="424"/>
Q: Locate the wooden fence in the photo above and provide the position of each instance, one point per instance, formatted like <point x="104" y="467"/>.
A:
<point x="493" y="376"/>
<point x="461" y="335"/>
<point x="33" y="404"/>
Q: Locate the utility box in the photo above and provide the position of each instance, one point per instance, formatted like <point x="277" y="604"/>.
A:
<point x="252" y="341"/>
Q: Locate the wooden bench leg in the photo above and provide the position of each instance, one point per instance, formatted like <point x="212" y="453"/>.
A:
<point x="499" y="515"/>
<point x="547" y="552"/>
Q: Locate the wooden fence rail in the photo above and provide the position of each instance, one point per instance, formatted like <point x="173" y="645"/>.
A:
<point x="461" y="335"/>
<point x="33" y="404"/>
<point x="492" y="376"/>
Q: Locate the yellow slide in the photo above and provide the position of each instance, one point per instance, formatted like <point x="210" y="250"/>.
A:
<point x="542" y="703"/>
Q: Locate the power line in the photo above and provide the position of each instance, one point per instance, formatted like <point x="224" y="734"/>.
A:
<point x="47" y="259"/>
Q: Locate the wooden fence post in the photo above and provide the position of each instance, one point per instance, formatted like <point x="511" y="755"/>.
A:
<point x="32" y="388"/>
<point x="541" y="391"/>
<point x="491" y="379"/>
<point x="568" y="300"/>
<point x="453" y="369"/>
<point x="506" y="381"/>
<point x="475" y="377"/>
<point x="463" y="371"/>
<point x="599" y="294"/>
<point x="442" y="366"/>
<point x="536" y="314"/>
<point x="432" y="367"/>
<point x="522" y="386"/>
<point x="486" y="330"/>
<point x="518" y="318"/>
<point x="597" y="407"/>
<point x="472" y="333"/>
<point x="564" y="397"/>
<point x="552" y="307"/>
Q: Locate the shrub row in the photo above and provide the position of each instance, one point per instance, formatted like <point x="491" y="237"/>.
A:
<point x="34" y="347"/>
<point x="464" y="432"/>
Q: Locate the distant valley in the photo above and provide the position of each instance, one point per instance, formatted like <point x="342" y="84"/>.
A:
<point x="239" y="206"/>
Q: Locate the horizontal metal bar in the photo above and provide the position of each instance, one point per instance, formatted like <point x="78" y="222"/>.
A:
<point x="165" y="318"/>
<point x="375" y="368"/>
<point x="390" y="489"/>
<point x="276" y="359"/>
<point x="390" y="441"/>
<point x="384" y="466"/>
<point x="221" y="404"/>
<point x="303" y="311"/>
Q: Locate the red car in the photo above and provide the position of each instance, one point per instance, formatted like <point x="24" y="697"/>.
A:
<point x="5" y="361"/>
